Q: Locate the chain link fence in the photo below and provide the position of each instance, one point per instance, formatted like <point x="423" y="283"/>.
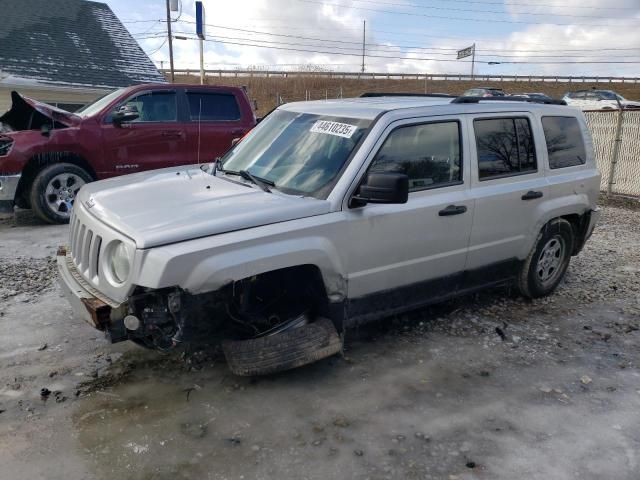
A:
<point x="621" y="172"/>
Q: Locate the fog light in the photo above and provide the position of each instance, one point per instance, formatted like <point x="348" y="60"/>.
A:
<point x="132" y="322"/>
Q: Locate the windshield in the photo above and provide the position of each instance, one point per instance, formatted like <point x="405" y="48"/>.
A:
<point x="99" y="104"/>
<point x="299" y="153"/>
<point x="609" y="95"/>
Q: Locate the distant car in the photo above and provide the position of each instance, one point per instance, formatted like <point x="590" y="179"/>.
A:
<point x="484" y="92"/>
<point x="536" y="96"/>
<point x="598" y="100"/>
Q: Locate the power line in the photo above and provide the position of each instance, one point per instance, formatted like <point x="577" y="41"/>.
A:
<point x="395" y="48"/>
<point x="465" y="19"/>
<point x="431" y="7"/>
<point x="540" y="5"/>
<point x="452" y="49"/>
<point x="404" y="33"/>
<point x="157" y="49"/>
<point x="413" y="58"/>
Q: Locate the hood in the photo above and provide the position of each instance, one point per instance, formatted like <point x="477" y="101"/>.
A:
<point x="21" y="115"/>
<point x="182" y="203"/>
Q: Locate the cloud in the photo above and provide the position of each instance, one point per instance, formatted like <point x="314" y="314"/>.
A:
<point x="339" y="30"/>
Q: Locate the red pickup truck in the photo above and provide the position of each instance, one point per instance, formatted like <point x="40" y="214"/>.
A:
<point x="47" y="154"/>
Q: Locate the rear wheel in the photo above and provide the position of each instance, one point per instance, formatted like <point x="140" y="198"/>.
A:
<point x="547" y="263"/>
<point x="55" y="189"/>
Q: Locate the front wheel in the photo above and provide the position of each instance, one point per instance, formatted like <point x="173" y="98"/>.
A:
<point x="548" y="261"/>
<point x="55" y="189"/>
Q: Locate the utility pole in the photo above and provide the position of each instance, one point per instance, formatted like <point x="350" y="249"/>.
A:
<point x="364" y="33"/>
<point x="473" y="60"/>
<point x="201" y="61"/>
<point x="173" y="78"/>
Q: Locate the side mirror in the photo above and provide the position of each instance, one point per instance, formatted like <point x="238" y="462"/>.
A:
<point x="383" y="188"/>
<point x="45" y="129"/>
<point x="126" y="113"/>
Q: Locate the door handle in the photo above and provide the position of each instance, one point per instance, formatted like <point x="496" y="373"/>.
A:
<point x="531" y="195"/>
<point x="171" y="134"/>
<point x="452" y="210"/>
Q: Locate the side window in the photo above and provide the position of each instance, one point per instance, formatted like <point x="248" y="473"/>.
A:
<point x="213" y="106"/>
<point x="157" y="106"/>
<point x="505" y="147"/>
<point x="564" y="142"/>
<point x="430" y="154"/>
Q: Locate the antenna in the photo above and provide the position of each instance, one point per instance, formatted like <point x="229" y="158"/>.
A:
<point x="199" y="122"/>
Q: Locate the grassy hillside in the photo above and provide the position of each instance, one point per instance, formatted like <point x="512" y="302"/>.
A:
<point x="264" y="90"/>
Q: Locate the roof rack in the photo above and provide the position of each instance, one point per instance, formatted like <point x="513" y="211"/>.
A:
<point x="507" y="98"/>
<point x="400" y="94"/>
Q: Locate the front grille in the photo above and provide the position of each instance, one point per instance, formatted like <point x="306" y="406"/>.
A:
<point x="85" y="248"/>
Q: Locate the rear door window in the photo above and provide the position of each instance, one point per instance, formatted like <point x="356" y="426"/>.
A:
<point x="505" y="147"/>
<point x="565" y="145"/>
<point x="213" y="106"/>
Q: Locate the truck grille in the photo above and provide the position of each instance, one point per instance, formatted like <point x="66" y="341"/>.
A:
<point x="85" y="248"/>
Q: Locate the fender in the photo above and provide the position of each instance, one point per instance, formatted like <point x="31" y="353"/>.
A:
<point x="198" y="271"/>
<point x="576" y="204"/>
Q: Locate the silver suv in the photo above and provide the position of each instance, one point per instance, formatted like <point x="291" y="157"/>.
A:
<point x="330" y="214"/>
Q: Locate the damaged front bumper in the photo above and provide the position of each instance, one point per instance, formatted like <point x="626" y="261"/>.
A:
<point x="8" y="188"/>
<point x="89" y="304"/>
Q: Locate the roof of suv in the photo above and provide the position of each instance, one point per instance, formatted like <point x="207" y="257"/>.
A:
<point x="371" y="107"/>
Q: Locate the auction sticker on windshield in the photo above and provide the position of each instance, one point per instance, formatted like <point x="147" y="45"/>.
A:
<point x="334" y="128"/>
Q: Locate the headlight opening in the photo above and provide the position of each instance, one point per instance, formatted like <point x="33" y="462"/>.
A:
<point x="120" y="263"/>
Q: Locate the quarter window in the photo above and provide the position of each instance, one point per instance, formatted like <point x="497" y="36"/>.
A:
<point x="564" y="142"/>
<point x="429" y="154"/>
<point x="213" y="106"/>
<point x="505" y="147"/>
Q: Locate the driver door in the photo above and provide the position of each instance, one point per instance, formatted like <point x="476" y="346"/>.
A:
<point x="413" y="253"/>
<point x="156" y="139"/>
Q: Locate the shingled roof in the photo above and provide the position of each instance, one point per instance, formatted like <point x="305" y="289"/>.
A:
<point x="70" y="42"/>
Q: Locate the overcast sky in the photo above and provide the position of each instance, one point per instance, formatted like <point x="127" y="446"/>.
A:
<point x="402" y="36"/>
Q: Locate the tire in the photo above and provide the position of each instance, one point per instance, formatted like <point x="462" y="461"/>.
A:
<point x="283" y="351"/>
<point x="54" y="190"/>
<point x="546" y="265"/>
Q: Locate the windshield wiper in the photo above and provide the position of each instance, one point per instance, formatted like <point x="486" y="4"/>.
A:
<point x="263" y="183"/>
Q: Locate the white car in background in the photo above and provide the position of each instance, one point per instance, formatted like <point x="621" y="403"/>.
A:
<point x="598" y="100"/>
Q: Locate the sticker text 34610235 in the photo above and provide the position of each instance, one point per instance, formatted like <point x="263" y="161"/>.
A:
<point x="334" y="128"/>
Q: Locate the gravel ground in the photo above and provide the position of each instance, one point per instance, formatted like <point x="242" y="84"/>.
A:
<point x="490" y="386"/>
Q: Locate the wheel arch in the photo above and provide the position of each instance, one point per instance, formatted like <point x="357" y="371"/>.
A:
<point x="201" y="271"/>
<point x="41" y="160"/>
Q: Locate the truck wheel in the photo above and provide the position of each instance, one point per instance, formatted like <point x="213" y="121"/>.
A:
<point x="547" y="263"/>
<point x="54" y="189"/>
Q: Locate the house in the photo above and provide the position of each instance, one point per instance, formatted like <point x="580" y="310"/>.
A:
<point x="67" y="52"/>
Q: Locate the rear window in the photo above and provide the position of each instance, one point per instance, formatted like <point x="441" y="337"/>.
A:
<point x="505" y="147"/>
<point x="213" y="106"/>
<point x="565" y="145"/>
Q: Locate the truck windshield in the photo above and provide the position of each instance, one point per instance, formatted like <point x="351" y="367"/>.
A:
<point x="99" y="104"/>
<point x="299" y="153"/>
